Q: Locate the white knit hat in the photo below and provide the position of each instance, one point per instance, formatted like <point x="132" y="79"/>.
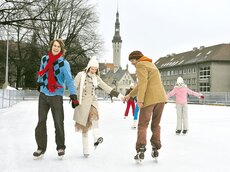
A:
<point x="180" y="80"/>
<point x="92" y="63"/>
<point x="131" y="85"/>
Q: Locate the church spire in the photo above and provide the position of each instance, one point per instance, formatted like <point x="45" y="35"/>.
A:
<point x="117" y="37"/>
<point x="117" y="43"/>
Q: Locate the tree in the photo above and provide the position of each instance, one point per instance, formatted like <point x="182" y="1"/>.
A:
<point x="11" y="9"/>
<point x="35" y="23"/>
<point x="75" y="21"/>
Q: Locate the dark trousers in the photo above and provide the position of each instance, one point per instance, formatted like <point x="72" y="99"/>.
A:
<point x="154" y="113"/>
<point x="55" y="103"/>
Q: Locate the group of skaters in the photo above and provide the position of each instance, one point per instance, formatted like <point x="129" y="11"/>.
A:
<point x="147" y="97"/>
<point x="181" y="92"/>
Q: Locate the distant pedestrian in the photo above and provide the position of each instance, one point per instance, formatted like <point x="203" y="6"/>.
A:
<point x="136" y="112"/>
<point x="181" y="91"/>
<point x="111" y="98"/>
<point x="130" y="102"/>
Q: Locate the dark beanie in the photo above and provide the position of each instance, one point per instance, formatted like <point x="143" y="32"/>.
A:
<point x="135" y="55"/>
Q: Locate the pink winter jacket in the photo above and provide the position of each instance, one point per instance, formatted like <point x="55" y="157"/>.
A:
<point x="181" y="94"/>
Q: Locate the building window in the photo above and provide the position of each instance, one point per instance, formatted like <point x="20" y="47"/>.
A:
<point x="194" y="70"/>
<point x="180" y="72"/>
<point x="184" y="70"/>
<point x="193" y="81"/>
<point x="176" y="72"/>
<point x="204" y="72"/>
<point x="168" y="73"/>
<point x="204" y="87"/>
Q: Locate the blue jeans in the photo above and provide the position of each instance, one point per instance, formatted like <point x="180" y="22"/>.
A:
<point x="136" y="112"/>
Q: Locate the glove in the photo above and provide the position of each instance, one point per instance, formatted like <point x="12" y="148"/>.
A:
<point x="121" y="97"/>
<point x="202" y="97"/>
<point x="74" y="100"/>
<point x="39" y="84"/>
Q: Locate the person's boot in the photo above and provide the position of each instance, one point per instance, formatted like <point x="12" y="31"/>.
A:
<point x="139" y="157"/>
<point x="184" y="131"/>
<point x="85" y="145"/>
<point x="178" y="132"/>
<point x="38" y="153"/>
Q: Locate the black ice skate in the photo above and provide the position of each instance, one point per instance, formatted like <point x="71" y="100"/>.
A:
<point x="155" y="153"/>
<point x="61" y="153"/>
<point x="184" y="131"/>
<point x="178" y="132"/>
<point x="86" y="155"/>
<point x="139" y="157"/>
<point x="99" y="140"/>
<point x="38" y="154"/>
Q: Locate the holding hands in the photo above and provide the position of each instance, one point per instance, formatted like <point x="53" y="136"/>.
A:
<point x="74" y="100"/>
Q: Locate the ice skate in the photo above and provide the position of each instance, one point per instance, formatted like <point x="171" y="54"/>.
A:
<point x="178" y="132"/>
<point x="99" y="140"/>
<point x="155" y="153"/>
<point x="38" y="154"/>
<point x="85" y="145"/>
<point x="86" y="155"/>
<point x="184" y="132"/>
<point x="134" y="126"/>
<point x="61" y="153"/>
<point x="139" y="157"/>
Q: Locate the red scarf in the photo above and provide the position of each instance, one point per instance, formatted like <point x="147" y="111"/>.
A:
<point x="52" y="84"/>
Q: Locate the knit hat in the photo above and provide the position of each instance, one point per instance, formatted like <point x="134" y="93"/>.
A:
<point x="135" y="55"/>
<point x="92" y="63"/>
<point x="180" y="80"/>
<point x="131" y="85"/>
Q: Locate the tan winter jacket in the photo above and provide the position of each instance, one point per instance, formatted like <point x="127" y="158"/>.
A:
<point x="149" y="89"/>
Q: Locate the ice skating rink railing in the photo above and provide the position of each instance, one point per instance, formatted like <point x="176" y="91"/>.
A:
<point x="11" y="97"/>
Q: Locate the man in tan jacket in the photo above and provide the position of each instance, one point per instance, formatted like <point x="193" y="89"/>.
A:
<point x="151" y="99"/>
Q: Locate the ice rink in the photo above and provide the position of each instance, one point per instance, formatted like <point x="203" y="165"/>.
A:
<point x="204" y="149"/>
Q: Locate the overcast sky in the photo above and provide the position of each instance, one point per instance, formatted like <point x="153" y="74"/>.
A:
<point x="161" y="27"/>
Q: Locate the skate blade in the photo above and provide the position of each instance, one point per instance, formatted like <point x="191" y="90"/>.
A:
<point x="139" y="161"/>
<point x="38" y="157"/>
<point x="86" y="155"/>
<point x="156" y="160"/>
<point x="61" y="157"/>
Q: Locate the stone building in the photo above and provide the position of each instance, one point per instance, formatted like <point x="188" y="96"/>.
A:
<point x="204" y="69"/>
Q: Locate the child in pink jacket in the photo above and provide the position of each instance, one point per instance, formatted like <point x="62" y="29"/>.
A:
<point x="181" y="91"/>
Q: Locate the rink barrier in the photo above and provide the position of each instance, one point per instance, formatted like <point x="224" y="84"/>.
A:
<point x="10" y="97"/>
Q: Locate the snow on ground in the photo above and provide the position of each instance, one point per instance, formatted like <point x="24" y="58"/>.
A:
<point x="204" y="149"/>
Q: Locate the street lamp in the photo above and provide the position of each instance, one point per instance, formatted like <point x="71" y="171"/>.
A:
<point x="7" y="56"/>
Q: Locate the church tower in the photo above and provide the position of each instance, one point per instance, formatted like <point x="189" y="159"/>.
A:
<point x="117" y="44"/>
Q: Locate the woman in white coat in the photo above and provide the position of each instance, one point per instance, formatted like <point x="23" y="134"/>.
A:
<point x="86" y="115"/>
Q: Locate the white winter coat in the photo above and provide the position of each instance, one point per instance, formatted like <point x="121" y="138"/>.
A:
<point x="86" y="86"/>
